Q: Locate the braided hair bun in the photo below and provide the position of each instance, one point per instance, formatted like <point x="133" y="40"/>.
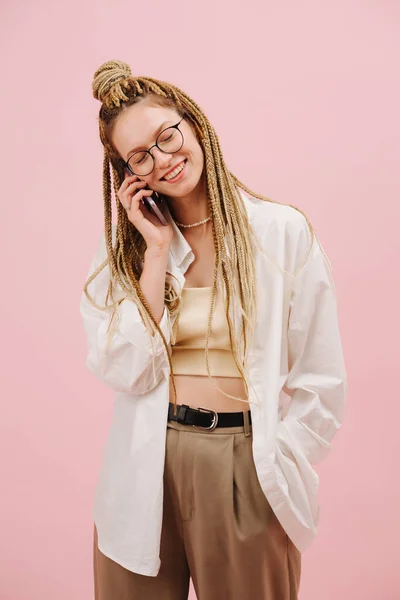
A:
<point x="109" y="82"/>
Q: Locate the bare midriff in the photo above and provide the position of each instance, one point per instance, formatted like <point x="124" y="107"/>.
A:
<point x="199" y="391"/>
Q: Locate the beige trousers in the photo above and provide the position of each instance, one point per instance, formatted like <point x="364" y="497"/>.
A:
<point x="218" y="528"/>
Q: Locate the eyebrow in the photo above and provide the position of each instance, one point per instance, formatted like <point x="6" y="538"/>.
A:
<point x="155" y="135"/>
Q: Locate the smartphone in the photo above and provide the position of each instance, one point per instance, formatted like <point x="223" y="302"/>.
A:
<point x="151" y="205"/>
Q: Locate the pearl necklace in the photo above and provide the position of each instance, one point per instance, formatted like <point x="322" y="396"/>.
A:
<point x="194" y="224"/>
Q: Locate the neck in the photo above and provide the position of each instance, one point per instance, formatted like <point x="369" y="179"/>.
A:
<point x="192" y="207"/>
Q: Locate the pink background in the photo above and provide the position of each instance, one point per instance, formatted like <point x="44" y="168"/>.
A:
<point x="305" y="98"/>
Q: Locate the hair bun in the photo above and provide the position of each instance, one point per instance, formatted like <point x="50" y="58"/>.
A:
<point x="111" y="77"/>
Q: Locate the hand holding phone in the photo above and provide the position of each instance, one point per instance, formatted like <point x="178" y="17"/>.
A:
<point x="143" y="211"/>
<point x="150" y="203"/>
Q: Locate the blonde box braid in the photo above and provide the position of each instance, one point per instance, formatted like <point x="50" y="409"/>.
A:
<point x="115" y="86"/>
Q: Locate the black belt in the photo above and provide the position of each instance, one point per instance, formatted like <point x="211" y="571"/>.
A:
<point x="209" y="419"/>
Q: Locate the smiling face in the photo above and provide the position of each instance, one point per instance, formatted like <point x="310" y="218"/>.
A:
<point x="137" y="127"/>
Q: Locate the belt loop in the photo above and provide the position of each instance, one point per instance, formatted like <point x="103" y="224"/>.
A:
<point x="246" y="423"/>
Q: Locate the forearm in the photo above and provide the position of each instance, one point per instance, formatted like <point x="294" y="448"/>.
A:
<point x="152" y="280"/>
<point x="120" y="350"/>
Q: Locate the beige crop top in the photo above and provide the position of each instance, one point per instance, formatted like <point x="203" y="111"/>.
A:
<point x="188" y="354"/>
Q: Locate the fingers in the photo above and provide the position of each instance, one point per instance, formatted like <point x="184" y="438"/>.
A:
<point x="129" y="186"/>
<point x="137" y="197"/>
<point x="129" y="181"/>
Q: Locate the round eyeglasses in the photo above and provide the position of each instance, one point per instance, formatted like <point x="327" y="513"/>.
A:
<point x="169" y="140"/>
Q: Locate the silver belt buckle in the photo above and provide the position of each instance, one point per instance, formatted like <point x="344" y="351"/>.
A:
<point x="214" y="422"/>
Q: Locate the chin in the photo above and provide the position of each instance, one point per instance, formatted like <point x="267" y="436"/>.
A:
<point x="186" y="188"/>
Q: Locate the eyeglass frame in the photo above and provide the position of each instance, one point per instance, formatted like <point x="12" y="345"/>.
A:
<point x="126" y="163"/>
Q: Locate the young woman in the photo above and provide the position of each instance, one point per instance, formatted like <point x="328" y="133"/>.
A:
<point x="204" y="321"/>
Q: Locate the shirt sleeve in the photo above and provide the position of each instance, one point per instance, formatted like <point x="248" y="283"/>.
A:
<point x="131" y="360"/>
<point x="316" y="381"/>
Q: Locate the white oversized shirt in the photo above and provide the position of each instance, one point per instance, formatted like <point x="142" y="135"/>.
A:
<point x="295" y="365"/>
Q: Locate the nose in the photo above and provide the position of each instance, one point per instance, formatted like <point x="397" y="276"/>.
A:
<point x="162" y="159"/>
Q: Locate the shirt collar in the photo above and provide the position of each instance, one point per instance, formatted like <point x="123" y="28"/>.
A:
<point x="180" y="249"/>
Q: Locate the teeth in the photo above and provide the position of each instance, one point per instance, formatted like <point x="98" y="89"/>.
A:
<point x="175" y="172"/>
